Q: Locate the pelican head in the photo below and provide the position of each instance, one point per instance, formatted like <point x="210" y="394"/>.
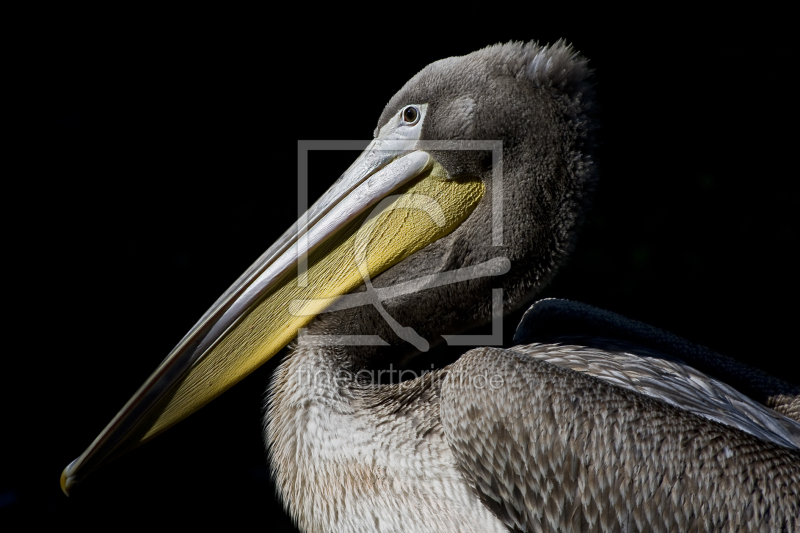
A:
<point x="472" y="189"/>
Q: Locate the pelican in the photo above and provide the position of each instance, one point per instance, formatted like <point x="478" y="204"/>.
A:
<point x="460" y="210"/>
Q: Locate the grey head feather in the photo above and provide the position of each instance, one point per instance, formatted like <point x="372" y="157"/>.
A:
<point x="558" y="66"/>
<point x="539" y="101"/>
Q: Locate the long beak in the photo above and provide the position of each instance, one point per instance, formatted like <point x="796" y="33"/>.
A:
<point x="391" y="202"/>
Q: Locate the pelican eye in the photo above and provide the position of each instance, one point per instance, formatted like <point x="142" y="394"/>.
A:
<point x="410" y="115"/>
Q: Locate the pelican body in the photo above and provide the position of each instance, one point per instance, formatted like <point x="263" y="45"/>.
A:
<point x="461" y="210"/>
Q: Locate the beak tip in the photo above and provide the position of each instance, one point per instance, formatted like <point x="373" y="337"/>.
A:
<point x="64" y="482"/>
<point x="67" y="479"/>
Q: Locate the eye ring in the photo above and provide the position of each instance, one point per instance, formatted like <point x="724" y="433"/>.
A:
<point x="410" y="115"/>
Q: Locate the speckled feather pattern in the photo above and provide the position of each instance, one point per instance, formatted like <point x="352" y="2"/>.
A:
<point x="557" y="450"/>
<point x="669" y="379"/>
<point x="552" y="319"/>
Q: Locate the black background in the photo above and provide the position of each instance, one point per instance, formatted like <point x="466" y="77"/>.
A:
<point x="157" y="157"/>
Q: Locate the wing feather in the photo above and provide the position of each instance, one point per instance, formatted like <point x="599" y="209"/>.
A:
<point x="670" y="379"/>
<point x="549" y="448"/>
